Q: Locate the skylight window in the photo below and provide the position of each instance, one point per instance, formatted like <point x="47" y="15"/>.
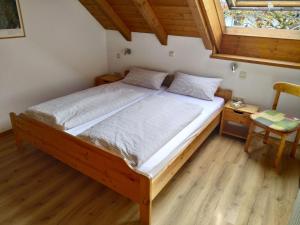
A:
<point x="262" y="14"/>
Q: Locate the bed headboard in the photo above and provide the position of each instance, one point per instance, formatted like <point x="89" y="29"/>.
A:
<point x="223" y="93"/>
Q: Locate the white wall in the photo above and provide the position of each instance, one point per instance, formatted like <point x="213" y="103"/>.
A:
<point x="192" y="57"/>
<point x="64" y="49"/>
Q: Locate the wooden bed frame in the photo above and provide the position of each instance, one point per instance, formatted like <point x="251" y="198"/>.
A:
<point x="104" y="167"/>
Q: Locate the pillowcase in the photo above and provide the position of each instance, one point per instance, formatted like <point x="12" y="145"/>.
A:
<point x="145" y="78"/>
<point x="195" y="86"/>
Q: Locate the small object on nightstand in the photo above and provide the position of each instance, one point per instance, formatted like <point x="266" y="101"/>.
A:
<point x="236" y="121"/>
<point x="107" y="78"/>
<point x="237" y="103"/>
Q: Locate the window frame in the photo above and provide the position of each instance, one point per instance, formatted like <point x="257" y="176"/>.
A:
<point x="267" y="40"/>
<point x="254" y="32"/>
<point x="249" y="3"/>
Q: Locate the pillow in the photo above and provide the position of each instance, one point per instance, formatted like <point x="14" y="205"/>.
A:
<point x="195" y="86"/>
<point x="145" y="78"/>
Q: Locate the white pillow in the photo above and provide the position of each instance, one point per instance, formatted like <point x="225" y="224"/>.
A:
<point x="145" y="78"/>
<point x="195" y="86"/>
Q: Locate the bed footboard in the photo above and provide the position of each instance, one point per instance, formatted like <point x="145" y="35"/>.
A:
<point x="88" y="159"/>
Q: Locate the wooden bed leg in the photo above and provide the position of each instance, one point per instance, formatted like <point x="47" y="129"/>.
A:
<point x="17" y="138"/>
<point x="145" y="213"/>
<point x="146" y="201"/>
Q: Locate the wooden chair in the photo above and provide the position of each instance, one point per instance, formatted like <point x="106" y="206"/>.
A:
<point x="278" y="123"/>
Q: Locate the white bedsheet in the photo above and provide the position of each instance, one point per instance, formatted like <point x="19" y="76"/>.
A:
<point x="83" y="127"/>
<point x="140" y="130"/>
<point x="81" y="107"/>
<point x="170" y="150"/>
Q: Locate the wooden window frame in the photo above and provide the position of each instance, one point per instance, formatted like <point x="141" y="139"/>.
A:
<point x="263" y="32"/>
<point x="253" y="34"/>
<point x="276" y="3"/>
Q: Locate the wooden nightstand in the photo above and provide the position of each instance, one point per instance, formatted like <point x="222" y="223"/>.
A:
<point x="236" y="122"/>
<point x="107" y="78"/>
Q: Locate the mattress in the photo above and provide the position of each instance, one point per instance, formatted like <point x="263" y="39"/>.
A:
<point x="71" y="111"/>
<point x="171" y="149"/>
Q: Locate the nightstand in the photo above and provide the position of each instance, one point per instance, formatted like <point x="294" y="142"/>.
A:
<point x="236" y="122"/>
<point x="107" y="78"/>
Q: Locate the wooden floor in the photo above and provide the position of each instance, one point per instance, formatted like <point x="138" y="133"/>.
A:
<point x="220" y="185"/>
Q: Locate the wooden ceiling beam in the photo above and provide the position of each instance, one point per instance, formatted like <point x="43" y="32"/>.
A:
<point x="152" y="20"/>
<point x="115" y="18"/>
<point x="200" y="23"/>
<point x="214" y="24"/>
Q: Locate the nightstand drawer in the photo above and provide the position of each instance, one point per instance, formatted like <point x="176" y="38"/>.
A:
<point x="236" y="122"/>
<point x="237" y="116"/>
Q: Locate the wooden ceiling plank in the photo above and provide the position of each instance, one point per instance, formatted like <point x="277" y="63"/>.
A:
<point x="97" y="13"/>
<point x="152" y="20"/>
<point x="200" y="23"/>
<point x="115" y="18"/>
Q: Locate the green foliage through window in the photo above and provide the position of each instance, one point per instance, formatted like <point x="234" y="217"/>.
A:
<point x="289" y="20"/>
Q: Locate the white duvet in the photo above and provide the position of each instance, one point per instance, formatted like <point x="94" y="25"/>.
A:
<point x="75" y="109"/>
<point x="140" y="130"/>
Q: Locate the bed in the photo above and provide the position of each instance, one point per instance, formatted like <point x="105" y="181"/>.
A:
<point x="141" y="184"/>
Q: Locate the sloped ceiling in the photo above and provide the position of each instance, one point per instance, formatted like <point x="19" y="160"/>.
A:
<point x="174" y="16"/>
<point x="196" y="18"/>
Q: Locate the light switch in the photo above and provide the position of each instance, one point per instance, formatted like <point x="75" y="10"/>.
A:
<point x="243" y="75"/>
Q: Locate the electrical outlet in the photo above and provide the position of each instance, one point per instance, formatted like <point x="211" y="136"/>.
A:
<point x="118" y="55"/>
<point x="171" y="53"/>
<point x="243" y="75"/>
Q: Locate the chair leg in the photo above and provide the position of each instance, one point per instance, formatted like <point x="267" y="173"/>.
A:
<point x="250" y="136"/>
<point x="266" y="137"/>
<point x="280" y="152"/>
<point x="295" y="144"/>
